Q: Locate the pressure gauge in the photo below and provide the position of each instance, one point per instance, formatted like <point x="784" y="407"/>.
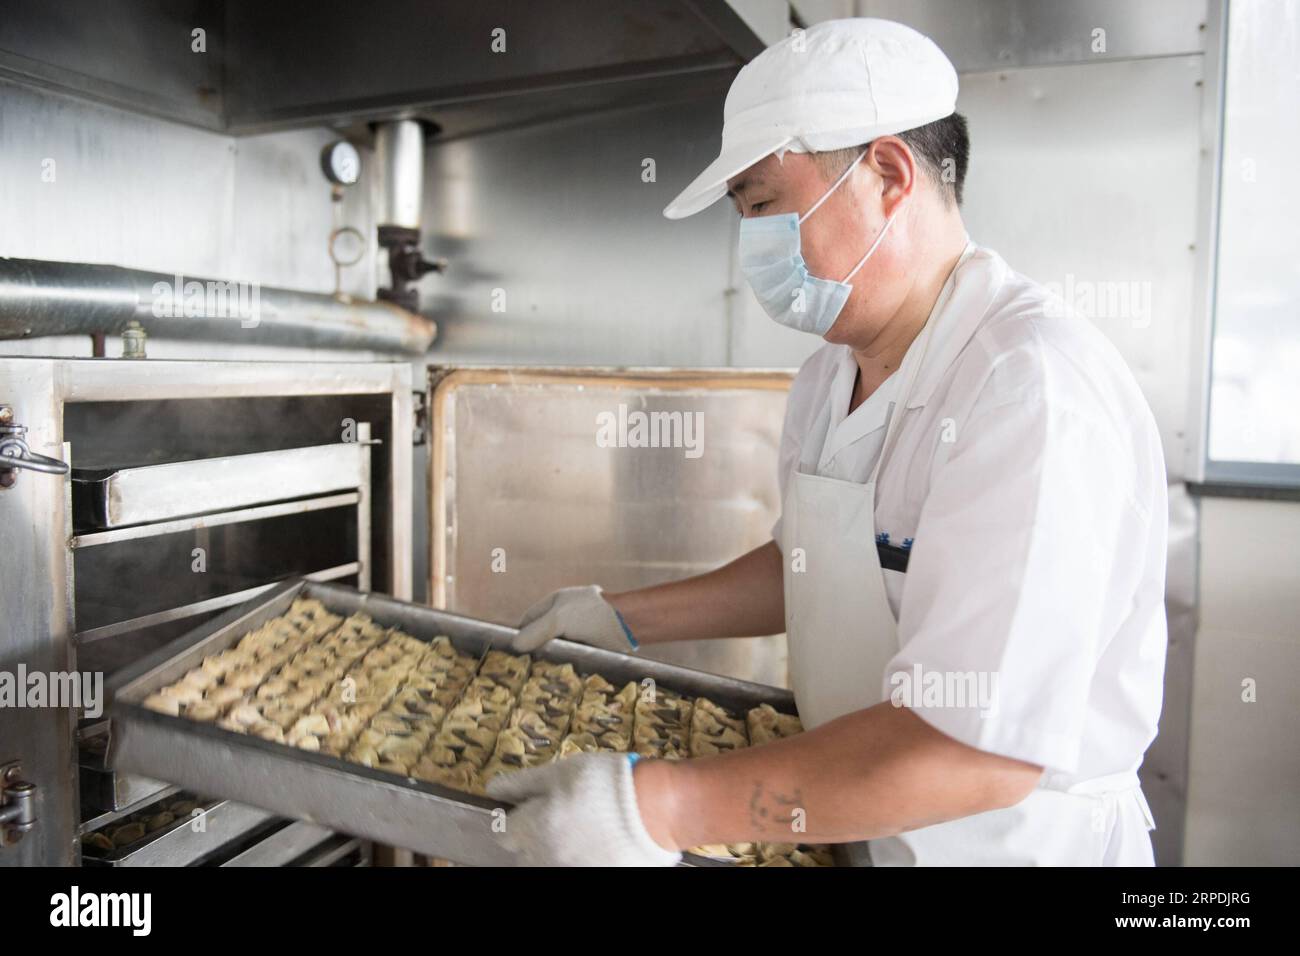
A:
<point x="341" y="163"/>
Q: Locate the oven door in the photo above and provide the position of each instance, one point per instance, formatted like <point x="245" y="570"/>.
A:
<point x="194" y="487"/>
<point x="542" y="478"/>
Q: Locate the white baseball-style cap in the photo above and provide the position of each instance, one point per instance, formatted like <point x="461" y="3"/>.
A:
<point x="840" y="83"/>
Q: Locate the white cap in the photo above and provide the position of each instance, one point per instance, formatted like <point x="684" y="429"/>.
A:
<point x="840" y="83"/>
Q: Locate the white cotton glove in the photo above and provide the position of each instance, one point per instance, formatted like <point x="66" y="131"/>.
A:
<point x="580" y="614"/>
<point x="579" y="811"/>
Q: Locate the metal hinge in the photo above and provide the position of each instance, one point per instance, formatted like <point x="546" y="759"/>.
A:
<point x="420" y="416"/>
<point x="17" y="804"/>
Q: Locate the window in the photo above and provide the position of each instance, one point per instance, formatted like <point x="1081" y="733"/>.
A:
<point x="1254" y="424"/>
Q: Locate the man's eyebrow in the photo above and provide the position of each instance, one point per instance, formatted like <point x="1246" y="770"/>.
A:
<point x="744" y="184"/>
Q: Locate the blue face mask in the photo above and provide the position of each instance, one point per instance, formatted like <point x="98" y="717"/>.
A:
<point x="774" y="267"/>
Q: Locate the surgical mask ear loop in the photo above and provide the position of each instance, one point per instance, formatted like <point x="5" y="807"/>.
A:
<point x="863" y="261"/>
<point x="834" y="186"/>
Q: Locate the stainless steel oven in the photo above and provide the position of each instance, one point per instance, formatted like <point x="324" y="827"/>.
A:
<point x="190" y="487"/>
<point x="194" y="487"/>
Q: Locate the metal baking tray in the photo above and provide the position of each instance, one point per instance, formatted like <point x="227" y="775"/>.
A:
<point x="180" y="844"/>
<point x="283" y="847"/>
<point x="112" y="497"/>
<point x="334" y="793"/>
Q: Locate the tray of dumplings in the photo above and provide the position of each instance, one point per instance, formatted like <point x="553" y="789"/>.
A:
<point x="386" y="720"/>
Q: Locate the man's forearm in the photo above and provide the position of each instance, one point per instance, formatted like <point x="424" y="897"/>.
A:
<point x="742" y="599"/>
<point x="869" y="774"/>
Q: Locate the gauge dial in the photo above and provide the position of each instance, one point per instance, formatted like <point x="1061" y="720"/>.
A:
<point x="341" y="163"/>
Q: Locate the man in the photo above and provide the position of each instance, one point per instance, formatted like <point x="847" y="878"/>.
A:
<point x="970" y="560"/>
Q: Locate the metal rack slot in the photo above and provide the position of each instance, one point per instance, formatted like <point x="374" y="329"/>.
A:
<point x="283" y="847"/>
<point x="335" y="851"/>
<point x="211" y="604"/>
<point x="90" y="539"/>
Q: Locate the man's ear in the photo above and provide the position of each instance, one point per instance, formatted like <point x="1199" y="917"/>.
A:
<point x="891" y="159"/>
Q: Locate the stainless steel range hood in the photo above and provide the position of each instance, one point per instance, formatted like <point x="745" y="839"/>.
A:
<point x="465" y="66"/>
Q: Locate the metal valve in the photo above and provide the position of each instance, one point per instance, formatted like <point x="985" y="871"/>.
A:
<point x="17" y="805"/>
<point x="16" y="455"/>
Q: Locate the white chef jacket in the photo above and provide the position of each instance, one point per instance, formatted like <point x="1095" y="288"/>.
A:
<point x="1029" y="475"/>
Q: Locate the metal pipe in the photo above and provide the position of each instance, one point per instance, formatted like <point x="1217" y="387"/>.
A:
<point x="399" y="155"/>
<point x="41" y="298"/>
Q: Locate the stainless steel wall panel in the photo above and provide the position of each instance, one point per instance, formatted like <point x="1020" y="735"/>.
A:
<point x="1207" y="242"/>
<point x="127" y="189"/>
<point x="993" y="34"/>
<point x="1166" y="774"/>
<point x="1244" y="794"/>
<point x="143" y="193"/>
<point x="1085" y="178"/>
<point x="557" y="223"/>
<point x="814" y="11"/>
<point x="282" y="213"/>
<point x="768" y="19"/>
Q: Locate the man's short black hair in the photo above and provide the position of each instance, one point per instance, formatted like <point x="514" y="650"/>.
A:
<point x="942" y="148"/>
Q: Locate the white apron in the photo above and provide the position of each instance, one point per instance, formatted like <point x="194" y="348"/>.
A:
<point x="842" y="634"/>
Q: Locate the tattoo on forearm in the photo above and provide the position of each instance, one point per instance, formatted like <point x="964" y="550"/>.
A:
<point x="771" y="812"/>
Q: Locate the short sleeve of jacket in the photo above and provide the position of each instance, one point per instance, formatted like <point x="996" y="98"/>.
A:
<point x="1009" y="577"/>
